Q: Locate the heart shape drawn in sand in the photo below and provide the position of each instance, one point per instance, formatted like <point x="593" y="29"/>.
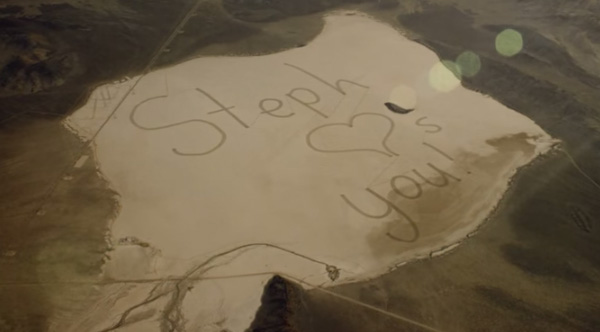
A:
<point x="388" y="152"/>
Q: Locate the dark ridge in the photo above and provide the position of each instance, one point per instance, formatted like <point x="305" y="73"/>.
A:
<point x="278" y="310"/>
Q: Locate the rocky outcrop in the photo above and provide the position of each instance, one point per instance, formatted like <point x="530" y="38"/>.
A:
<point x="280" y="309"/>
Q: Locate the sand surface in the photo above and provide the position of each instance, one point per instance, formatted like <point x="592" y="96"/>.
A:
<point x="294" y="159"/>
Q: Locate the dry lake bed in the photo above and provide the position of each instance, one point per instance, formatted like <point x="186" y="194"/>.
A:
<point x="299" y="166"/>
<point x="233" y="169"/>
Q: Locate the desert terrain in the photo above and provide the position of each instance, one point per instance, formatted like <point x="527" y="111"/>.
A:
<point x="90" y="243"/>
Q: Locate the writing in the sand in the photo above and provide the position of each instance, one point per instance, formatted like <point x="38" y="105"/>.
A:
<point x="414" y="181"/>
<point x="413" y="191"/>
<point x="273" y="107"/>
<point x="270" y="106"/>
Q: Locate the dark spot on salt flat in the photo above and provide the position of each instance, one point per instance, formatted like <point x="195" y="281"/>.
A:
<point x="397" y="109"/>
